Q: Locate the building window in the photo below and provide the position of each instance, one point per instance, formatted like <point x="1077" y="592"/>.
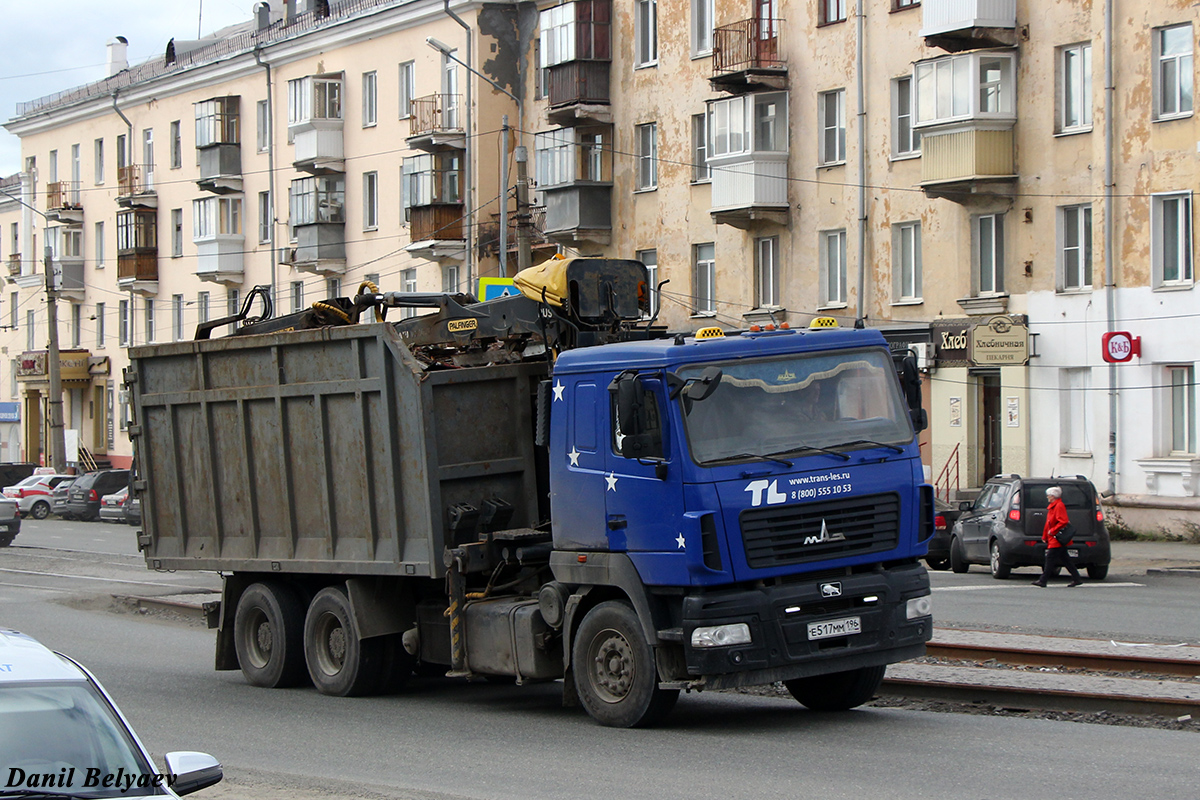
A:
<point x="408" y="85"/>
<point x="14" y="300"/>
<point x="202" y="307"/>
<point x="99" y="325"/>
<point x="704" y="278"/>
<point x="1183" y="410"/>
<point x="370" y="201"/>
<point x="297" y="296"/>
<point x="906" y="262"/>
<point x="123" y="324"/>
<point x="1173" y="72"/>
<point x="965" y="86"/>
<point x="148" y="156"/>
<point x="30" y="323"/>
<point x="216" y="216"/>
<point x="567" y="155"/>
<point x="265" y="217"/>
<point x="701" y="171"/>
<point x="76" y="325"/>
<point x="450" y="278"/>
<point x="217" y="121"/>
<point x="578" y="31"/>
<point x="766" y="272"/>
<point x="1074" y="409"/>
<point x="429" y="179"/>
<point x="647" y="156"/>
<point x="98" y="160"/>
<point x="314" y="97"/>
<point x="318" y="199"/>
<point x="900" y="5"/>
<point x="1075" y="247"/>
<point x="148" y="311"/>
<point x="122" y="152"/>
<point x="830" y="11"/>
<point x="1075" y="88"/>
<point x="1171" y="239"/>
<point x="906" y="140"/>
<point x="541" y="75"/>
<point x="177" y="317"/>
<point x="650" y="259"/>
<point x="452" y="99"/>
<point x="368" y="100"/>
<point x="832" y="111"/>
<point x="176" y="146"/>
<point x="233" y="304"/>
<point x="263" y="119"/>
<point x="646" y="33"/>
<point x="408" y="283"/>
<point x="988" y="234"/>
<point x="702" y="27"/>
<point x="177" y="232"/>
<point x="747" y="124"/>
<point x="99" y="245"/>
<point x="833" y="268"/>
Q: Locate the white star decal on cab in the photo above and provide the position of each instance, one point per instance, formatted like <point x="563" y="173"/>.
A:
<point x="681" y="542"/>
<point x="558" y="391"/>
<point x="611" y="479"/>
<point x="574" y="456"/>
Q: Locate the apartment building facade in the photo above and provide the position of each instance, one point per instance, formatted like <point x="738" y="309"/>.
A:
<point x="960" y="173"/>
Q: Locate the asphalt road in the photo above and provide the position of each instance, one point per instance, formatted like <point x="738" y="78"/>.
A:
<point x="448" y="739"/>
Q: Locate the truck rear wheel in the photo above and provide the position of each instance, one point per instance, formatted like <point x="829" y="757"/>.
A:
<point x="268" y="634"/>
<point x="614" y="668"/>
<point x="837" y="691"/>
<point x="339" y="662"/>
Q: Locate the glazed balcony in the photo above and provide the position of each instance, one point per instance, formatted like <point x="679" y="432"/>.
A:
<point x="218" y="145"/>
<point x="436" y="123"/>
<point x="315" y="123"/>
<point x="955" y="25"/>
<point x="63" y="202"/>
<point x="746" y="56"/>
<point x="748" y="158"/>
<point x="576" y="52"/>
<point x="137" y="251"/>
<point x="135" y="186"/>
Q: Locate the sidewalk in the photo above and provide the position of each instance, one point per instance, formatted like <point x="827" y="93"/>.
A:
<point x="1141" y="558"/>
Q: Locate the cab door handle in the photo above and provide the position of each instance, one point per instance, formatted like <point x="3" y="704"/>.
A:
<point x="616" y="522"/>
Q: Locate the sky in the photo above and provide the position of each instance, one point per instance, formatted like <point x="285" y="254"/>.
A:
<point x="49" y="48"/>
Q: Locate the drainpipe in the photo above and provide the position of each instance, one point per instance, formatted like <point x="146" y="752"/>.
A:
<point x="129" y="127"/>
<point x="468" y="167"/>
<point x="862" y="172"/>
<point x="270" y="168"/>
<point x="1110" y="240"/>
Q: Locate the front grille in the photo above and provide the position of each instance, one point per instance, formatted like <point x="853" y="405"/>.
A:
<point x="793" y="534"/>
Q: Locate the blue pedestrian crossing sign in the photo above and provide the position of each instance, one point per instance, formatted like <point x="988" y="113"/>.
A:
<point x="491" y="288"/>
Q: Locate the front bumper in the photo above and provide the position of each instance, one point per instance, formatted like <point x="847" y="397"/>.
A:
<point x="779" y="616"/>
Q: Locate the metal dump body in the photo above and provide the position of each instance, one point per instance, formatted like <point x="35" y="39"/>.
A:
<point x="321" y="451"/>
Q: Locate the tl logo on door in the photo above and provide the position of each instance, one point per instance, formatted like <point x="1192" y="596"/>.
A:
<point x="756" y="489"/>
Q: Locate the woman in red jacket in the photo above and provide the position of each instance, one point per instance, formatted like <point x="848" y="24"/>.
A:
<point x="1056" y="554"/>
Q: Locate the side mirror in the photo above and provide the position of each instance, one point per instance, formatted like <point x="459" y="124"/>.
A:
<point x="965" y="505"/>
<point x="193" y="771"/>
<point x="701" y="388"/>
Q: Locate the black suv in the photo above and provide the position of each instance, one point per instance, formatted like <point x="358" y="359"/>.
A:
<point x="83" y="498"/>
<point x="1003" y="527"/>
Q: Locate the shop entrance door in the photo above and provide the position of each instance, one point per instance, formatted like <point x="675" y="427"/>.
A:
<point x="992" y="462"/>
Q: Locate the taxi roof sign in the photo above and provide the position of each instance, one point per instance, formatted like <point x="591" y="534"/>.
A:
<point x="709" y="333"/>
<point x="823" y="322"/>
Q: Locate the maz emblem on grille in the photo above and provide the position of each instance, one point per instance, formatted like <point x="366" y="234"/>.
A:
<point x="825" y="536"/>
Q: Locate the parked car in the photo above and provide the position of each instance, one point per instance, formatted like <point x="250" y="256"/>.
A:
<point x="83" y="500"/>
<point x="58" y="499"/>
<point x="112" y="506"/>
<point x="1003" y="527"/>
<point x="10" y="521"/>
<point x="944" y="517"/>
<point x="57" y="720"/>
<point x="133" y="510"/>
<point x="33" y="495"/>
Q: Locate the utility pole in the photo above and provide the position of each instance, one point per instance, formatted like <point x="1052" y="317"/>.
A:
<point x="504" y="196"/>
<point x="58" y="444"/>
<point x="524" y="257"/>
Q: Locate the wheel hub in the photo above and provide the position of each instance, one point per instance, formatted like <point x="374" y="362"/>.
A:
<point x="612" y="666"/>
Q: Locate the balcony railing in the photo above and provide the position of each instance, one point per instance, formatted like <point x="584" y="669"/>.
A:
<point x="441" y="222"/>
<point x="62" y="194"/>
<point x="135" y="179"/>
<point x="14" y="264"/>
<point x="139" y="265"/>
<point x="579" y="82"/>
<point x="751" y="44"/>
<point x="435" y="113"/>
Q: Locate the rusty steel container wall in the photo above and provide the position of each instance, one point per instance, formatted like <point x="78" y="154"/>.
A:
<point x="324" y="451"/>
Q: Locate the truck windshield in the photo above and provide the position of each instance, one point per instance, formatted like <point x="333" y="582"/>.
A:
<point x="792" y="404"/>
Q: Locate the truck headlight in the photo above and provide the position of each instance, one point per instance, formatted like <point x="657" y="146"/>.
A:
<point x="721" y="635"/>
<point x="919" y="607"/>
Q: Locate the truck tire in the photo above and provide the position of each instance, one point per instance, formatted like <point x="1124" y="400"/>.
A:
<point x="268" y="635"/>
<point x="339" y="662"/>
<point x="615" y="674"/>
<point x="837" y="691"/>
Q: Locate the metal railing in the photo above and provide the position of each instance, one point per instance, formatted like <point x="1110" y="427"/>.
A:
<point x="62" y="194"/>
<point x="134" y="179"/>
<point x="749" y="44"/>
<point x="14" y="264"/>
<point x="435" y="113"/>
<point x="941" y="486"/>
<point x="87" y="460"/>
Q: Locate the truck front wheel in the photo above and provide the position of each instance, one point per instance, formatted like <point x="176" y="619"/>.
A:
<point x="339" y="662"/>
<point x="837" y="691"/>
<point x="614" y="668"/>
<point x="268" y="634"/>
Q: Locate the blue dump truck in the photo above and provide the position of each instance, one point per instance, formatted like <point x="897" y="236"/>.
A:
<point x="544" y="486"/>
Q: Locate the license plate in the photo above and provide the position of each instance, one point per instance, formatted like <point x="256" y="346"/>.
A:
<point x="834" y="627"/>
<point x="1073" y="553"/>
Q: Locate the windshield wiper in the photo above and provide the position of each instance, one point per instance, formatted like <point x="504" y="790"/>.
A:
<point x="804" y="447"/>
<point x="38" y="793"/>
<point x="761" y="457"/>
<point x="868" y="441"/>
